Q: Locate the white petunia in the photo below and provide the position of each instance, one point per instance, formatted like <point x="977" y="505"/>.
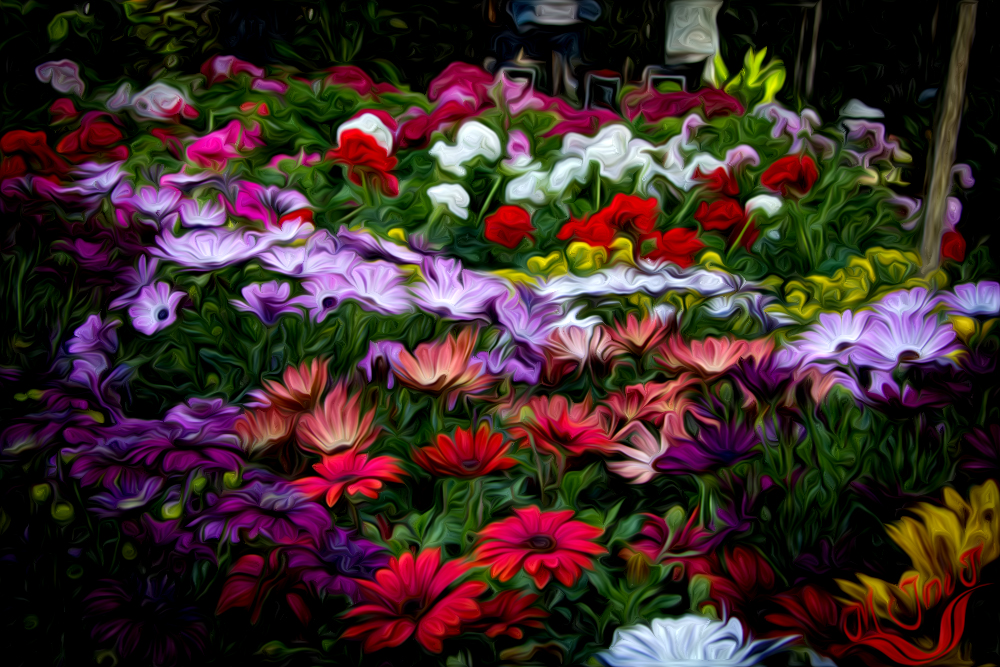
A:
<point x="472" y="140"/>
<point x="63" y="74"/>
<point x="451" y="195"/>
<point x="770" y="204"/>
<point x="689" y="641"/>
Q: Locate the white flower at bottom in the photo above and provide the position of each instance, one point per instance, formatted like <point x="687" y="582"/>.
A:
<point x="687" y="641"/>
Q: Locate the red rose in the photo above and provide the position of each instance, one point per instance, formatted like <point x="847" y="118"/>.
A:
<point x="35" y="148"/>
<point x="953" y="246"/>
<point x="719" y="180"/>
<point x="721" y="214"/>
<point x="676" y="245"/>
<point x="363" y="155"/>
<point x="508" y="226"/>
<point x="93" y="137"/>
<point x="793" y="174"/>
<point x="624" y="211"/>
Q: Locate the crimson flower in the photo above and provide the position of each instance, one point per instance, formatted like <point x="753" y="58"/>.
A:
<point x="953" y="246"/>
<point x="509" y="226"/>
<point x="502" y="613"/>
<point x="543" y="544"/>
<point x="720" y="214"/>
<point x="676" y="245"/>
<point x="556" y="425"/>
<point x="34" y="146"/>
<point x="465" y="455"/>
<point x="408" y="597"/>
<point x="94" y="137"/>
<point x="350" y="471"/>
<point x="719" y="180"/>
<point x="791" y="174"/>
<point x="363" y="155"/>
<point x="624" y="212"/>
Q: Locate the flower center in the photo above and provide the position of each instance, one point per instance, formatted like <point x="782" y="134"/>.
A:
<point x="541" y="542"/>
<point x="412" y="608"/>
<point x="470" y="464"/>
<point x="909" y="355"/>
<point x="162" y="314"/>
<point x="328" y="302"/>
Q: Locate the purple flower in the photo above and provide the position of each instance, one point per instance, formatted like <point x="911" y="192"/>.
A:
<point x="128" y="490"/>
<point x="157" y="206"/>
<point x="268" y="301"/>
<point x="276" y="512"/>
<point x="207" y="249"/>
<point x="972" y="299"/>
<point x="154" y="309"/>
<point x="196" y="214"/>
<point x="324" y="295"/>
<point x="915" y="302"/>
<point x="91" y="256"/>
<point x="518" y="150"/>
<point x="833" y="338"/>
<point x="63" y="74"/>
<point x="377" y="364"/>
<point x="370" y="246"/>
<point x="93" y="182"/>
<point x="340" y="559"/>
<point x="717" y="444"/>
<point x="450" y="291"/>
<point x="767" y="377"/>
<point x="527" y="317"/>
<point x="520" y="366"/>
<point x="910" y="339"/>
<point x="134" y="280"/>
<point x="205" y="419"/>
<point x="982" y="455"/>
<point x="900" y="399"/>
<point x="378" y="286"/>
<point x="95" y="335"/>
<point x="875" y="147"/>
<point x="146" y="622"/>
<point x="319" y="257"/>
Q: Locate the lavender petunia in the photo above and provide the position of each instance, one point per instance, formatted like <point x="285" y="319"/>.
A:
<point x="207" y="249"/>
<point x="268" y="301"/>
<point x="276" y="512"/>
<point x="63" y="74"/>
<point x="155" y="308"/>
<point x="833" y="339"/>
<point x="971" y="299"/>
<point x="197" y="214"/>
<point x="911" y="339"/>
<point x="134" y="280"/>
<point x="378" y="286"/>
<point x="451" y="291"/>
<point x="95" y="335"/>
<point x="156" y="207"/>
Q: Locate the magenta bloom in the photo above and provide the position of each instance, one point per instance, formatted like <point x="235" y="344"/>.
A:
<point x="155" y="308"/>
<point x="134" y="280"/>
<point x="266" y="204"/>
<point x="94" y="335"/>
<point x="268" y="301"/>
<point x="276" y="512"/>
<point x="214" y="149"/>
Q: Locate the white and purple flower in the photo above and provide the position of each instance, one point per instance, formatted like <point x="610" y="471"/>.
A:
<point x="155" y="309"/>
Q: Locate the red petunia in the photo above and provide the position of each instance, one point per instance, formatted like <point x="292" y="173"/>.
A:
<point x="63" y="110"/>
<point x="543" y="544"/>
<point x="721" y="214"/>
<point x="94" y="137"/>
<point x="625" y="212"/>
<point x="953" y="246"/>
<point x="509" y="226"/>
<point x="719" y="180"/>
<point x="408" y="597"/>
<point x="364" y="156"/>
<point x="791" y="174"/>
<point x="35" y="148"/>
<point x="351" y="472"/>
<point x="676" y="245"/>
<point x="465" y="455"/>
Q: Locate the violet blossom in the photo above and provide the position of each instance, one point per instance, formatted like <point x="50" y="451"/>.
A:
<point x="207" y="249"/>
<point x="134" y="280"/>
<point x="451" y="291"/>
<point x="268" y="301"/>
<point x="341" y="558"/>
<point x="324" y="296"/>
<point x="155" y="309"/>
<point x="95" y="335"/>
<point x="833" y="339"/>
<point x="974" y="299"/>
<point x="916" y="338"/>
<point x="717" y="444"/>
<point x="276" y="512"/>
<point x="157" y="207"/>
<point x="197" y="214"/>
<point x="377" y="364"/>
<point x="378" y="286"/>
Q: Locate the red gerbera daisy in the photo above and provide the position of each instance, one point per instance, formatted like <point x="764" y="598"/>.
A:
<point x="351" y="472"/>
<point x="408" y="596"/>
<point x="465" y="455"/>
<point x="556" y="425"/>
<point x="543" y="544"/>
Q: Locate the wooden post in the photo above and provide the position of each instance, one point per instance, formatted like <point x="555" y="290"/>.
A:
<point x="947" y="137"/>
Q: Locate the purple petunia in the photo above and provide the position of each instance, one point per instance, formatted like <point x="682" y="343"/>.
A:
<point x="155" y="309"/>
<point x="268" y="301"/>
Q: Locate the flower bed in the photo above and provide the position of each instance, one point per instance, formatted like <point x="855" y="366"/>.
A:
<point x="338" y="372"/>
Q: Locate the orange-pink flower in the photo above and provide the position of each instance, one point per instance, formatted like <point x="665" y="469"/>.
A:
<point x="259" y="430"/>
<point x="650" y="401"/>
<point x="711" y="357"/>
<point x="352" y="473"/>
<point x="337" y="424"/>
<point x="636" y="336"/>
<point x="443" y="368"/>
<point x="572" y="348"/>
<point x="302" y="389"/>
